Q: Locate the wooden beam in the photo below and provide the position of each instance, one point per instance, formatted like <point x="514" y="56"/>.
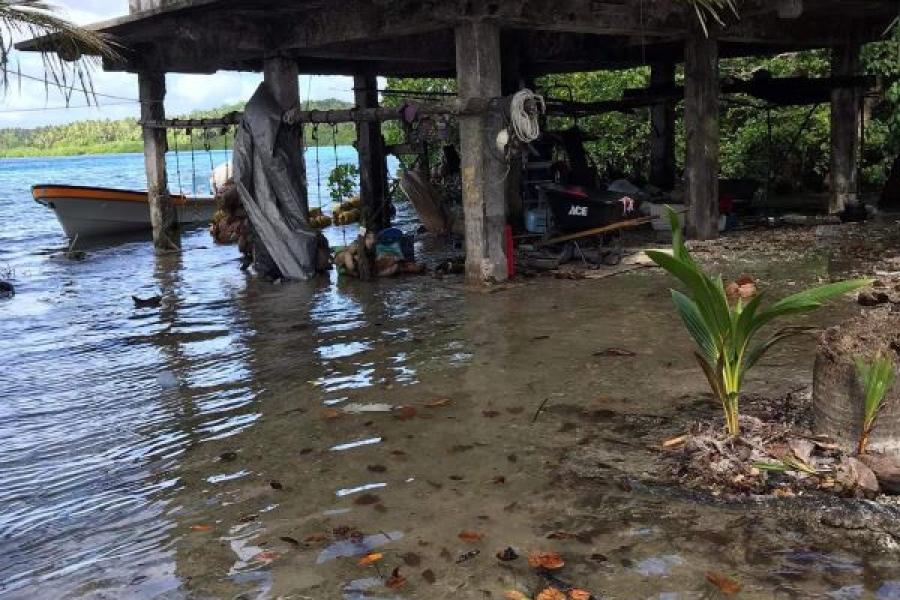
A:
<point x="701" y="126"/>
<point x="484" y="199"/>
<point x="373" y="187"/>
<point x="845" y="125"/>
<point x="163" y="218"/>
<point x="662" y="129"/>
<point x="282" y="78"/>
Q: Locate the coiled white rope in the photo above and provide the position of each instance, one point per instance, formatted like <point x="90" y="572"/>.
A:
<point x="524" y="110"/>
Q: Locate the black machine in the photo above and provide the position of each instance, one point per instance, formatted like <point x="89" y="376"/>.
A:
<point x="577" y="208"/>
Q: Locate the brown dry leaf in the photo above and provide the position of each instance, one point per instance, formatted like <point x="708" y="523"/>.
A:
<point x="674" y="442"/>
<point x="490" y="414"/>
<point x="726" y="584"/>
<point x="412" y="559"/>
<point x="579" y="594"/>
<point x="562" y="535"/>
<point x="405" y="413"/>
<point x="331" y="414"/>
<point x="550" y="594"/>
<point x="470" y="536"/>
<point x="370" y="559"/>
<point x="395" y="580"/>
<point x="438" y="402"/>
<point x="201" y="527"/>
<point x="515" y="595"/>
<point x="265" y="557"/>
<point x="545" y="560"/>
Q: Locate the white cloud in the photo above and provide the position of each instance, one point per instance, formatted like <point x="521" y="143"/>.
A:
<point x="28" y="104"/>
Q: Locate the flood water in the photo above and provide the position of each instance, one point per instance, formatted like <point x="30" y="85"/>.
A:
<point x="249" y="440"/>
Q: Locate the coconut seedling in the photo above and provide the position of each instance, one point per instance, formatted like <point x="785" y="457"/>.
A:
<point x="877" y="378"/>
<point x="726" y="331"/>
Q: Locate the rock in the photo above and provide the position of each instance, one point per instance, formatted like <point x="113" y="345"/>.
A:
<point x="869" y="299"/>
<point x="886" y="469"/>
<point x="7" y="290"/>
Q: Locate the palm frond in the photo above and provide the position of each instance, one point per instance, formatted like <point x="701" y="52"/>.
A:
<point x="70" y="52"/>
<point x="712" y="10"/>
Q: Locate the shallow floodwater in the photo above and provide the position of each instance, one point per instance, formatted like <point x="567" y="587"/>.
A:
<point x="247" y="440"/>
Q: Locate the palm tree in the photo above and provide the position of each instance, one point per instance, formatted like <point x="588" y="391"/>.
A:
<point x="70" y="52"/>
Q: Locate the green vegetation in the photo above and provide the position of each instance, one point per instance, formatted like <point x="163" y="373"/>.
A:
<point x="104" y="136"/>
<point x="725" y="330"/>
<point x="342" y="181"/>
<point x="877" y="378"/>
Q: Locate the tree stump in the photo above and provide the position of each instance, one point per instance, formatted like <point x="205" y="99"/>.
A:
<point x="837" y="391"/>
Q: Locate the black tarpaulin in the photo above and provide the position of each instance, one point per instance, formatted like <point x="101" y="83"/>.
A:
<point x="268" y="174"/>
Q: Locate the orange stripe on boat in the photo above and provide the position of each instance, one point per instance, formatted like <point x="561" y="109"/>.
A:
<point x="102" y="195"/>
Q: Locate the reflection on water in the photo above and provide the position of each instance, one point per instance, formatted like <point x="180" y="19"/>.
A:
<point x="250" y="440"/>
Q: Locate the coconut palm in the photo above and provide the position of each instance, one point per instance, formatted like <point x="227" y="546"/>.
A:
<point x="70" y="51"/>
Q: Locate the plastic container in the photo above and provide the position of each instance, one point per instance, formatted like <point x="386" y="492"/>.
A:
<point x="537" y="220"/>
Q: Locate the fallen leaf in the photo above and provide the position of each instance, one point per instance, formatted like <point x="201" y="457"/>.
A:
<point x="276" y="485"/>
<point x="370" y="559"/>
<point x="331" y="413"/>
<point x="395" y="580"/>
<point x="515" y="595"/>
<point x="428" y="575"/>
<point x="411" y="559"/>
<point x="615" y="352"/>
<point x="228" y="456"/>
<point x="470" y="536"/>
<point x="579" y="594"/>
<point x="675" y="442"/>
<point x="550" y="594"/>
<point x="726" y="584"/>
<point x="561" y="535"/>
<point x="316" y="537"/>
<point x="405" y="413"/>
<point x="545" y="560"/>
<point x="499" y="480"/>
<point x="507" y="555"/>
<point x="367" y="499"/>
<point x="376" y="468"/>
<point x="201" y="527"/>
<point x="289" y="540"/>
<point x="265" y="557"/>
<point x="490" y="414"/>
<point x="438" y="402"/>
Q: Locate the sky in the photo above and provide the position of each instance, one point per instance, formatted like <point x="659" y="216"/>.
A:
<point x="27" y="103"/>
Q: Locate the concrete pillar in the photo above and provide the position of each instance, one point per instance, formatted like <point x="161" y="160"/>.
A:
<point x="373" y="186"/>
<point x="483" y="187"/>
<point x="164" y="219"/>
<point x="845" y="126"/>
<point x="662" y="129"/>
<point x="701" y="127"/>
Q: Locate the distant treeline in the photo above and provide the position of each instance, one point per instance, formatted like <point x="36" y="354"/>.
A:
<point x="105" y="136"/>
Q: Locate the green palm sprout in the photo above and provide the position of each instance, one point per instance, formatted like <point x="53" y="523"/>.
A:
<point x="726" y="332"/>
<point x="877" y="379"/>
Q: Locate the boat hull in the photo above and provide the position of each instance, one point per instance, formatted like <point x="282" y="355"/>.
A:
<point x="97" y="212"/>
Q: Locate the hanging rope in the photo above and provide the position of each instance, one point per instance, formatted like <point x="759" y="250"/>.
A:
<point x="524" y="111"/>
<point x="177" y="162"/>
<point x="193" y="163"/>
<point x="334" y="132"/>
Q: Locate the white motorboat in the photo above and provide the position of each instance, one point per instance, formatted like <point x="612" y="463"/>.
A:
<point x="94" y="211"/>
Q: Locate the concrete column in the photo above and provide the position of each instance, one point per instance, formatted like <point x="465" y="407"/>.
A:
<point x="662" y="129"/>
<point x="483" y="187"/>
<point x="845" y="126"/>
<point x="701" y="126"/>
<point x="373" y="186"/>
<point x="164" y="219"/>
